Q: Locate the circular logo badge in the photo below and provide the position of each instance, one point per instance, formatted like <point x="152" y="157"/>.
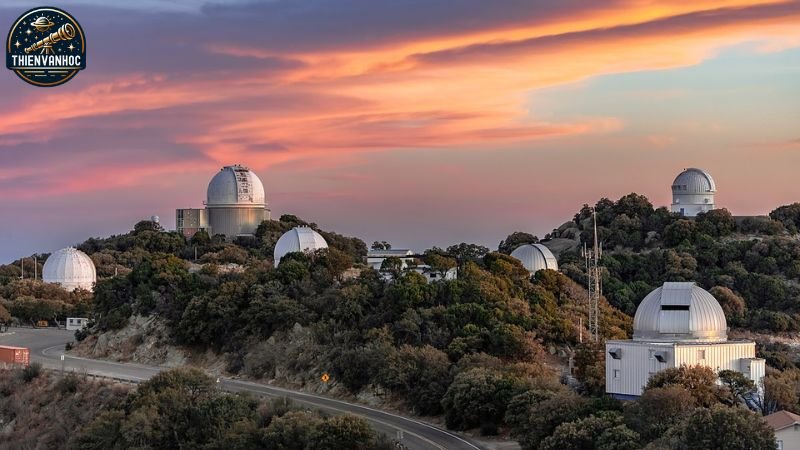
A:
<point x="46" y="47"/>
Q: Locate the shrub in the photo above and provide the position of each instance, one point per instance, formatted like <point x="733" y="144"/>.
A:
<point x="31" y="372"/>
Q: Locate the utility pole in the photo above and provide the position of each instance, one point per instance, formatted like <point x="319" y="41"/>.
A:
<point x="35" y="269"/>
<point x="22" y="269"/>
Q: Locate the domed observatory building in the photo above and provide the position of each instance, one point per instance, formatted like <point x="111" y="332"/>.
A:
<point x="298" y="239"/>
<point x="71" y="269"/>
<point x="235" y="202"/>
<point x="235" y="206"/>
<point x="535" y="257"/>
<point x="693" y="192"/>
<point x="676" y="324"/>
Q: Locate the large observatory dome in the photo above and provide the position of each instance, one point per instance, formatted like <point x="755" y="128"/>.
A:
<point x="235" y="186"/>
<point x="693" y="192"/>
<point x="535" y="257"/>
<point x="71" y="268"/>
<point x="235" y="203"/>
<point x="298" y="239"/>
<point x="680" y="312"/>
<point x="693" y="181"/>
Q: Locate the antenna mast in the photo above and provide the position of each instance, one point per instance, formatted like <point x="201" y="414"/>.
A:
<point x="593" y="272"/>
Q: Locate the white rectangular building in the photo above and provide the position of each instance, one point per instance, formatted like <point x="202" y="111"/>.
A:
<point x="77" y="323"/>
<point x="630" y="364"/>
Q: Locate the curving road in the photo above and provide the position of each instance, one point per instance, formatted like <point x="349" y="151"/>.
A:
<point x="47" y="347"/>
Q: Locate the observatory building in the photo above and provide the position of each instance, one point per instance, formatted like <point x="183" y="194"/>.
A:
<point x="535" y="257"/>
<point x="235" y="206"/>
<point x="676" y="324"/>
<point x="70" y="268"/>
<point x="693" y="192"/>
<point x="298" y="239"/>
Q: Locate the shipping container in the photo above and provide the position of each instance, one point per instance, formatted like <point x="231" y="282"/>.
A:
<point x="15" y="355"/>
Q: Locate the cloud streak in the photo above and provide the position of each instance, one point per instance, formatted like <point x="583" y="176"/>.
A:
<point x="319" y="85"/>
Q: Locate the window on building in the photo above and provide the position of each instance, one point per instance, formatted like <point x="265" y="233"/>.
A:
<point x="701" y="354"/>
<point x="616" y="373"/>
<point x="652" y="354"/>
<point x="779" y="445"/>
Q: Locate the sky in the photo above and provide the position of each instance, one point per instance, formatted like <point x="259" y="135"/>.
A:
<point x="418" y="122"/>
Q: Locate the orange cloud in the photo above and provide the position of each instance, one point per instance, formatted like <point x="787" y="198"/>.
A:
<point x="468" y="89"/>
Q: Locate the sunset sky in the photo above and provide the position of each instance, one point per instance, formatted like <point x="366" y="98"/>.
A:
<point x="418" y="122"/>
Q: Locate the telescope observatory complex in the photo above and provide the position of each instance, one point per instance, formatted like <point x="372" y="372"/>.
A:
<point x="235" y="205"/>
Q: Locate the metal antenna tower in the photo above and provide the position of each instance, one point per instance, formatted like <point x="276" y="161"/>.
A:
<point x="593" y="284"/>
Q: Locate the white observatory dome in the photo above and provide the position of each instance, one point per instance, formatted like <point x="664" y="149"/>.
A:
<point x="680" y="312"/>
<point x="71" y="268"/>
<point x="235" y="186"/>
<point x="694" y="181"/>
<point x="535" y="257"/>
<point x="693" y="192"/>
<point x="298" y="239"/>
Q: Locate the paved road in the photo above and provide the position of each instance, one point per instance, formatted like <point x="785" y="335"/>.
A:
<point x="47" y="346"/>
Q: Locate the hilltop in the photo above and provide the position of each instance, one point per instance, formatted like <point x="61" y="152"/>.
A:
<point x="471" y="351"/>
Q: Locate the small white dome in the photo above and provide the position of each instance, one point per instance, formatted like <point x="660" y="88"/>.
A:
<point x="298" y="239"/>
<point x="235" y="186"/>
<point x="680" y="312"/>
<point x="535" y="257"/>
<point x="694" y="181"/>
<point x="71" y="268"/>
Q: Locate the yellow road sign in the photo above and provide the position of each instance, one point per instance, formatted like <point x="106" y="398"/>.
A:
<point x="325" y="378"/>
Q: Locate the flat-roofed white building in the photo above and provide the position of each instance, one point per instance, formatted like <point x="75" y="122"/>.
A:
<point x="76" y="323"/>
<point x="676" y="324"/>
<point x="409" y="261"/>
<point x="375" y="258"/>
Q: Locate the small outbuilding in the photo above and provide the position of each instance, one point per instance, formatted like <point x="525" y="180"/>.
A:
<point x="787" y="429"/>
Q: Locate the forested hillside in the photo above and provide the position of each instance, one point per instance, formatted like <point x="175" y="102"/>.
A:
<point x="750" y="264"/>
<point x="487" y="351"/>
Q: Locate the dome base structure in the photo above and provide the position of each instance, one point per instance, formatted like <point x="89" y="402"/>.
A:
<point x="236" y="221"/>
